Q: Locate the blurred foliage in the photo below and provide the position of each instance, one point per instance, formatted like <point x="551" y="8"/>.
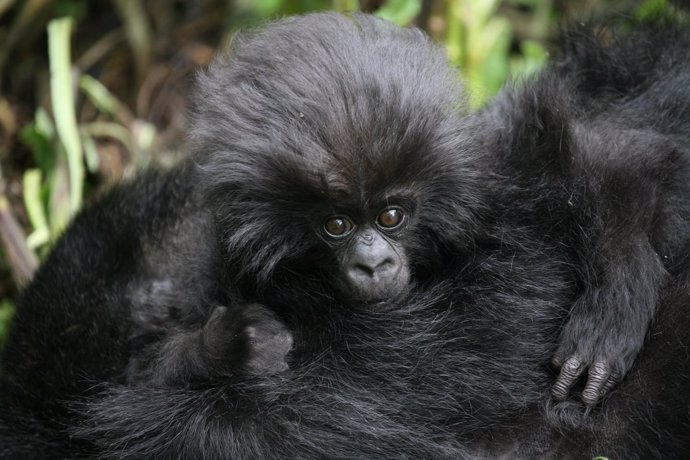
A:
<point x="6" y="311"/>
<point x="479" y="41"/>
<point x="91" y="90"/>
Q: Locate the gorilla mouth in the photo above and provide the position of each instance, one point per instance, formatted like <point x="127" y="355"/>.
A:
<point x="384" y="292"/>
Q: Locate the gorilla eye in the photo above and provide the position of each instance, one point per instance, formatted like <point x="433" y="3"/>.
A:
<point x="390" y="218"/>
<point x="338" y="226"/>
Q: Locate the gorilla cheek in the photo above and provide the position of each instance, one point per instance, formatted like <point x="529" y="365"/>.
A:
<point x="375" y="269"/>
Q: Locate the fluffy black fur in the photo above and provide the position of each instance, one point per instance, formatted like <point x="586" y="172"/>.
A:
<point x="201" y="313"/>
<point x="599" y="144"/>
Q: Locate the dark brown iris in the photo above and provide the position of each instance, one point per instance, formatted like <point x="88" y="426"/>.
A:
<point x="337" y="226"/>
<point x="390" y="218"/>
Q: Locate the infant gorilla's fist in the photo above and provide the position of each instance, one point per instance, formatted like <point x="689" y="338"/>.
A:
<point x="247" y="338"/>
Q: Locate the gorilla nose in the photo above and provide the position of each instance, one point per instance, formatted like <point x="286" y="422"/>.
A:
<point x="373" y="269"/>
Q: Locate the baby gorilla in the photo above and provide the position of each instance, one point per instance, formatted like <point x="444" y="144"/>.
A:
<point x="352" y="267"/>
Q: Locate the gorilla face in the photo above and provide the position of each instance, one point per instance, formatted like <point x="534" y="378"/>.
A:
<point x="371" y="258"/>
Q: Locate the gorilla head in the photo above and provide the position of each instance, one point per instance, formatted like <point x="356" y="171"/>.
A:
<point x="331" y="157"/>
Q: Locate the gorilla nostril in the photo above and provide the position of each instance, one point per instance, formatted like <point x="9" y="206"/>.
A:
<point x="365" y="269"/>
<point x="386" y="265"/>
<point x="372" y="269"/>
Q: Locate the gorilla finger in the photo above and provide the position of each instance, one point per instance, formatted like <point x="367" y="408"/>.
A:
<point x="610" y="383"/>
<point x="570" y="371"/>
<point x="600" y="380"/>
<point x="561" y="355"/>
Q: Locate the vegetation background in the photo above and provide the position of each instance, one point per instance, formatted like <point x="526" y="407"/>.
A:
<point x="90" y="91"/>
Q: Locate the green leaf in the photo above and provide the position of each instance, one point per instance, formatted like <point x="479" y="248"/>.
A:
<point x="62" y="99"/>
<point x="264" y="8"/>
<point x="534" y="57"/>
<point x="346" y="5"/>
<point x="39" y="136"/>
<point x="59" y="199"/>
<point x="99" y="95"/>
<point x="400" y="11"/>
<point x="35" y="208"/>
<point x="90" y="153"/>
<point x="109" y="129"/>
<point x="651" y="9"/>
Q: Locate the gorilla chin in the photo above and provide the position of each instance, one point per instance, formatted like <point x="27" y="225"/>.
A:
<point x="381" y="291"/>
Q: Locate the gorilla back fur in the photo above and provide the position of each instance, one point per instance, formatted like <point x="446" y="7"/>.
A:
<point x="326" y="111"/>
